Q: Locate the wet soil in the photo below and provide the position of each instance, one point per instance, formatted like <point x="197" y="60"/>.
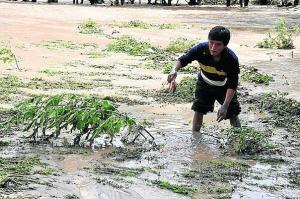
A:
<point x="179" y="156"/>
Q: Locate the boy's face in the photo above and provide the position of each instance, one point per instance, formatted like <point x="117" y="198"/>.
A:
<point x="215" y="47"/>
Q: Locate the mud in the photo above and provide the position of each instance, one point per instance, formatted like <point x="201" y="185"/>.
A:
<point x="178" y="157"/>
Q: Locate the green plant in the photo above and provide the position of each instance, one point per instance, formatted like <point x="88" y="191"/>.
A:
<point x="189" y="69"/>
<point x="6" y="55"/>
<point x="285" y="111"/>
<point x="282" y="40"/>
<point x="138" y="24"/>
<point x="129" y="45"/>
<point x="246" y="140"/>
<point x="89" y="27"/>
<point x="184" y="92"/>
<point x="87" y="116"/>
<point x="251" y="74"/>
<point x="65" y="44"/>
<point x="8" y="85"/>
<point x="180" y="45"/>
<point x="181" y="189"/>
<point x="167" y="26"/>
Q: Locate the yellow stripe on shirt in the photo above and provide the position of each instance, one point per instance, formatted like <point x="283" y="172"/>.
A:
<point x="213" y="70"/>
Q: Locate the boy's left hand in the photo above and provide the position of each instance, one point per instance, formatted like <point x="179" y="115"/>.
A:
<point x="222" y="112"/>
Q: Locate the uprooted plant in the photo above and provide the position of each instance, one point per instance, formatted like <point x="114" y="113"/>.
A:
<point x="86" y="116"/>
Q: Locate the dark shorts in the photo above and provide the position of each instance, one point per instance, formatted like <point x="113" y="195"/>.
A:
<point x="206" y="95"/>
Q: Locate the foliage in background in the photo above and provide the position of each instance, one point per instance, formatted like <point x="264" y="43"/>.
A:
<point x="86" y="116"/>
<point x="6" y="55"/>
<point x="65" y="44"/>
<point x="246" y="140"/>
<point x="89" y="27"/>
<point x="189" y="69"/>
<point x="282" y="40"/>
<point x="285" y="111"/>
<point x="251" y="74"/>
<point x="180" y="45"/>
<point x="144" y="25"/>
<point x="131" y="46"/>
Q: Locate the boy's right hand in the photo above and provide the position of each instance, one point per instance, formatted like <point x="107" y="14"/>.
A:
<point x="172" y="76"/>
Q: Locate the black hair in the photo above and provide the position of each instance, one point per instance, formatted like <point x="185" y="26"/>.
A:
<point x="219" y="33"/>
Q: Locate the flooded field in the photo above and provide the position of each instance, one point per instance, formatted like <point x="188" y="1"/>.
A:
<point x="55" y="57"/>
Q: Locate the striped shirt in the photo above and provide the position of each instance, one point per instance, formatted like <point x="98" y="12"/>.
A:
<point x="222" y="73"/>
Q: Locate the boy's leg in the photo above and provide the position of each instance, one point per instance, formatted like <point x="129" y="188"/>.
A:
<point x="197" y="121"/>
<point x="235" y="121"/>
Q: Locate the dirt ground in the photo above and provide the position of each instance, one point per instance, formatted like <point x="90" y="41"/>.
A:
<point x="24" y="27"/>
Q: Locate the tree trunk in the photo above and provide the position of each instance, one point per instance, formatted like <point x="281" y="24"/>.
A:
<point x="169" y="2"/>
<point x="193" y="2"/>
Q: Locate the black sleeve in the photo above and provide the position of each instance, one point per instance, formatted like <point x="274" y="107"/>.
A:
<point x="191" y="55"/>
<point x="233" y="74"/>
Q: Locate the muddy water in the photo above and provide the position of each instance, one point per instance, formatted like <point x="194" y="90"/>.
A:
<point x="286" y="75"/>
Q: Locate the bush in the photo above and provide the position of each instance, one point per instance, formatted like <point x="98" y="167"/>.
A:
<point x="283" y="39"/>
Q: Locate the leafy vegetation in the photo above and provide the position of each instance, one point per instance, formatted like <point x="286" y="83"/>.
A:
<point x="189" y="69"/>
<point x="131" y="46"/>
<point x="180" y="45"/>
<point x="121" y="171"/>
<point x="17" y="166"/>
<point x="86" y="116"/>
<point x="180" y="189"/>
<point x="138" y="24"/>
<point x="65" y="44"/>
<point x="184" y="93"/>
<point x="6" y="55"/>
<point x="282" y="40"/>
<point x="89" y="27"/>
<point x="251" y="74"/>
<point x="8" y="85"/>
<point x="285" y="111"/>
<point x="246" y="140"/>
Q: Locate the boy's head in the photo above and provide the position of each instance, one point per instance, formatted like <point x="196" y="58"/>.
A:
<point x="219" y="33"/>
<point x="218" y="39"/>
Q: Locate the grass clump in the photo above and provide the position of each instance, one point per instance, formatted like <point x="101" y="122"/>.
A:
<point x="8" y="85"/>
<point x="138" y="24"/>
<point x="216" y="176"/>
<point x="167" y="26"/>
<point x="246" y="140"/>
<point x="121" y="171"/>
<point x="180" y="189"/>
<point x="180" y="45"/>
<point x="251" y="74"/>
<point x="17" y="166"/>
<point x="282" y="40"/>
<point x="4" y="143"/>
<point x="46" y="172"/>
<point x="56" y="44"/>
<point x="129" y="45"/>
<point x="6" y="55"/>
<point x="189" y="69"/>
<point x="285" y="112"/>
<point x="89" y="27"/>
<point x="184" y="93"/>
